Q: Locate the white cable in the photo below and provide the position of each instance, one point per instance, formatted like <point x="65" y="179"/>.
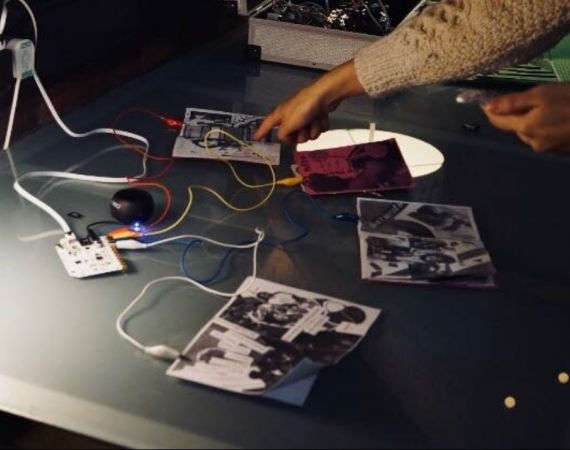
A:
<point x="4" y="17"/>
<point x="52" y="108"/>
<point x="76" y="135"/>
<point x="17" y="186"/>
<point x="75" y="176"/>
<point x="33" y="19"/>
<point x="58" y="118"/>
<point x="48" y="209"/>
<point x="167" y="353"/>
<point x="51" y="185"/>
<point x="137" y="245"/>
<point x="68" y="176"/>
<point x="124" y="245"/>
<point x="15" y="97"/>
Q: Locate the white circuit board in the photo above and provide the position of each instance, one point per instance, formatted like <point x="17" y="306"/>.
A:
<point x="89" y="258"/>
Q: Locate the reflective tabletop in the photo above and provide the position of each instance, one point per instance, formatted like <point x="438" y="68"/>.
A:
<point x="434" y="371"/>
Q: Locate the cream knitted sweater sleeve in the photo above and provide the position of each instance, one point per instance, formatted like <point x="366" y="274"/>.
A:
<point x="458" y="38"/>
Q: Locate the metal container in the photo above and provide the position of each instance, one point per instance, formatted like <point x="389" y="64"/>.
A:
<point x="303" y="45"/>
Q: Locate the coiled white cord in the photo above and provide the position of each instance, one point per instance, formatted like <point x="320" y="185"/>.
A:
<point x="164" y="352"/>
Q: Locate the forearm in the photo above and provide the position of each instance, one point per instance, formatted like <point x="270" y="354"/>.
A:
<point x="338" y="85"/>
<point x="459" y="38"/>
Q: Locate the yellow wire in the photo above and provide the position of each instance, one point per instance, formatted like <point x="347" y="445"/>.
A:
<point x="182" y="218"/>
<point x="272" y="185"/>
<point x="230" y="165"/>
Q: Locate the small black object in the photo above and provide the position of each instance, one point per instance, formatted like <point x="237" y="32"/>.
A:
<point x="347" y="217"/>
<point x="131" y="206"/>
<point x="75" y="215"/>
<point x="87" y="241"/>
<point x="253" y="53"/>
<point x="472" y="127"/>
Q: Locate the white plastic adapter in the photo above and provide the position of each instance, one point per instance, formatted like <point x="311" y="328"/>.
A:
<point x="23" y="58"/>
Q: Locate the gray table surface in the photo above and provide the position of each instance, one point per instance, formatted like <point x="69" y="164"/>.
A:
<point x="433" y="372"/>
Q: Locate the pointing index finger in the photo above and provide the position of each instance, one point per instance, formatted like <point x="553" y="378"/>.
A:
<point x="270" y="122"/>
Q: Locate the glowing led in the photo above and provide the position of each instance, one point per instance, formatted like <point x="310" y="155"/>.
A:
<point x="564" y="378"/>
<point x="510" y="403"/>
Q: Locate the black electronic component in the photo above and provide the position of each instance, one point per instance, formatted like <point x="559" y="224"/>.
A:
<point x="131" y="206"/>
<point x="75" y="215"/>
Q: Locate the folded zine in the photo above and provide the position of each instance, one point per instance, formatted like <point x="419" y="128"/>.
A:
<point x="422" y="243"/>
<point x="198" y="123"/>
<point x="273" y="337"/>
<point x="374" y="167"/>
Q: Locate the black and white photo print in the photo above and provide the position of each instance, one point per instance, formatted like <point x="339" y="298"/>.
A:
<point x="219" y="126"/>
<point x="258" y="340"/>
<point x="419" y="220"/>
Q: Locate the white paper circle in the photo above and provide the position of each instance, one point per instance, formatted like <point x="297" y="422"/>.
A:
<point x="422" y="158"/>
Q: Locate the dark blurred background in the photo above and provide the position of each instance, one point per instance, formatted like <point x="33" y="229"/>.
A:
<point x="87" y="47"/>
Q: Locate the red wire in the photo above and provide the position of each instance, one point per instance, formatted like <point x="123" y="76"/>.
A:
<point x="137" y="148"/>
<point x="149" y="181"/>
<point x="158" y="176"/>
<point x="172" y="123"/>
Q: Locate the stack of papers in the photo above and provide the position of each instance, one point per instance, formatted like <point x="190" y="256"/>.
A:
<point x="419" y="243"/>
<point x="272" y="340"/>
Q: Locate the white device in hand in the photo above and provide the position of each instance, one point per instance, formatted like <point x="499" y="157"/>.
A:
<point x="477" y="96"/>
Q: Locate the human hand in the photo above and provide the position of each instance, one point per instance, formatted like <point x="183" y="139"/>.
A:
<point x="540" y="116"/>
<point x="305" y="115"/>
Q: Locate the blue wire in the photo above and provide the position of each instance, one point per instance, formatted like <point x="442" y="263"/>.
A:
<point x="268" y="242"/>
<point x="212" y="278"/>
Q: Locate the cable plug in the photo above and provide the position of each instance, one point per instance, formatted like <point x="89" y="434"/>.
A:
<point x="172" y="123"/>
<point x="124" y="233"/>
<point x="131" y="244"/>
<point x="295" y="181"/>
<point x="163" y="352"/>
<point x="23" y="58"/>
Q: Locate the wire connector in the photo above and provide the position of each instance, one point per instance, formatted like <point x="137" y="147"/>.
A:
<point x="163" y="352"/>
<point x="295" y="181"/>
<point x="131" y="244"/>
<point x="172" y="123"/>
<point x="124" y="233"/>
